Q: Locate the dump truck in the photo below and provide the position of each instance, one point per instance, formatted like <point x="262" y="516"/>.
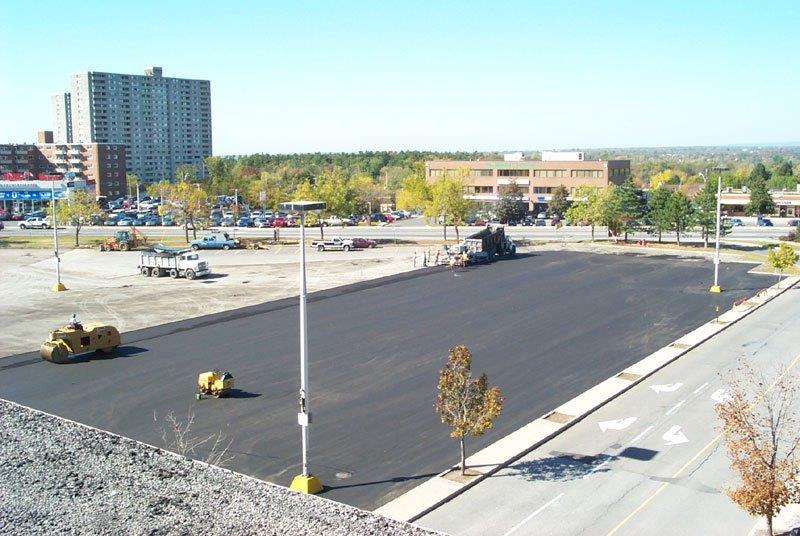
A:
<point x="76" y="338"/>
<point x="488" y="244"/>
<point x="124" y="241"/>
<point x="214" y="383"/>
<point x="181" y="263"/>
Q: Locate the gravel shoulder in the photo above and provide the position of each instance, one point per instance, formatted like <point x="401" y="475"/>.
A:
<point x="60" y="477"/>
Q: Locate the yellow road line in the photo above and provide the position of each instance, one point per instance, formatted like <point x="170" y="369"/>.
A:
<point x="694" y="458"/>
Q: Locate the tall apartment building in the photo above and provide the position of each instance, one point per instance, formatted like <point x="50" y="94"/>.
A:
<point x="163" y="122"/>
<point x="537" y="179"/>
<point x="62" y="117"/>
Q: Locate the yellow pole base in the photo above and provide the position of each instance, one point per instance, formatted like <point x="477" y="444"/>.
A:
<point x="715" y="288"/>
<point x="58" y="287"/>
<point x="306" y="484"/>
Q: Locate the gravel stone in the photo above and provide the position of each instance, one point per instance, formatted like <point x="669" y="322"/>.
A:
<point x="61" y="477"/>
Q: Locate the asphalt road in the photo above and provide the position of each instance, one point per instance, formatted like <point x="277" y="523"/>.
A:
<point x="417" y="230"/>
<point x="650" y="458"/>
<point x="544" y="327"/>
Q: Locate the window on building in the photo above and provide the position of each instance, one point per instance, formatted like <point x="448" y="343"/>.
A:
<point x="513" y="172"/>
<point x="542" y="189"/>
<point x="587" y="173"/>
<point x="549" y="173"/>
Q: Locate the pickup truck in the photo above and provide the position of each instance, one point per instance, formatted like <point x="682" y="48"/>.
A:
<point x="335" y="243"/>
<point x="34" y="223"/>
<point x="213" y="241"/>
<point x="172" y="263"/>
<point x="336" y="220"/>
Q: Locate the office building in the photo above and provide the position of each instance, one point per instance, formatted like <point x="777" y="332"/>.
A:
<point x="62" y="117"/>
<point x="536" y="178"/>
<point x="162" y="122"/>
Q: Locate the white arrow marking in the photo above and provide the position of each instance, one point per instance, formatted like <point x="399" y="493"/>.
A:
<point x="668" y="388"/>
<point x="674" y="436"/>
<point x="720" y="395"/>
<point x="617" y="424"/>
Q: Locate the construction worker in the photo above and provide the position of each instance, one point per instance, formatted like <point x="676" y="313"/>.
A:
<point x="73" y="322"/>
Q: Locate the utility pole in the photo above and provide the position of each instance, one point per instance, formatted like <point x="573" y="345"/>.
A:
<point x="59" y="286"/>
<point x="305" y="482"/>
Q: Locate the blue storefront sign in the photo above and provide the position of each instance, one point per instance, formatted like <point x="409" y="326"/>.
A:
<point x="29" y="195"/>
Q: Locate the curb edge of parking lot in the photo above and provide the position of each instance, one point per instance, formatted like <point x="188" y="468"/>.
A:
<point x="438" y="490"/>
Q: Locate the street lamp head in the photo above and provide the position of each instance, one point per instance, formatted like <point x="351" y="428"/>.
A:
<point x="302" y="206"/>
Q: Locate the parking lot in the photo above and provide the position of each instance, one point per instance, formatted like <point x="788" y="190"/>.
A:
<point x="545" y="327"/>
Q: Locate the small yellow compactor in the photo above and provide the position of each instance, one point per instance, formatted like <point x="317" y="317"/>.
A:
<point x="214" y="383"/>
<point x="75" y="338"/>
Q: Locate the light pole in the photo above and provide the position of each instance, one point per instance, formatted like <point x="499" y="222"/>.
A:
<point x="305" y="482"/>
<point x="715" y="287"/>
<point x="59" y="286"/>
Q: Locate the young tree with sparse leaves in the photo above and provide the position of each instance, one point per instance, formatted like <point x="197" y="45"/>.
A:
<point x="781" y="258"/>
<point x="581" y="211"/>
<point x="468" y="405"/>
<point x="760" y="430"/>
<point x="76" y="211"/>
<point x="187" y="201"/>
<point x="448" y="203"/>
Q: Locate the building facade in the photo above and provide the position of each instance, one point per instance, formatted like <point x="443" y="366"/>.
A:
<point x="61" y="104"/>
<point x="787" y="203"/>
<point x="537" y="179"/>
<point x="100" y="165"/>
<point x="162" y="122"/>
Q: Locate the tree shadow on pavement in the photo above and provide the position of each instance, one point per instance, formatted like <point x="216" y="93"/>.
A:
<point x="560" y="466"/>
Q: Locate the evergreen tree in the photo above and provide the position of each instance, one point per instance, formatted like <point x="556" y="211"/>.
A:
<point x="657" y="213"/>
<point x="760" y="199"/>
<point x="510" y="206"/>
<point x="632" y="207"/>
<point x="680" y="213"/>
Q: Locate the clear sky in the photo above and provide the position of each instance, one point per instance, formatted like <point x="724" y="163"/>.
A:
<point x="304" y="75"/>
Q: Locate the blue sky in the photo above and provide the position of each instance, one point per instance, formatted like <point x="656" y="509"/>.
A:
<point x="305" y="75"/>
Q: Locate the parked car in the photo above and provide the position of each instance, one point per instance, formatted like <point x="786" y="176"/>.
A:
<point x="527" y="221"/>
<point x="262" y="222"/>
<point x="765" y="222"/>
<point x="794" y="223"/>
<point x="244" y="222"/>
<point x="734" y="222"/>
<point x="398" y="214"/>
<point x="16" y="216"/>
<point x="34" y="223"/>
<point x="389" y="217"/>
<point x="336" y="220"/>
<point x="213" y="241"/>
<point x="541" y="222"/>
<point x="377" y="217"/>
<point x="125" y="221"/>
<point x="279" y="222"/>
<point x="110" y="222"/>
<point x="364" y="243"/>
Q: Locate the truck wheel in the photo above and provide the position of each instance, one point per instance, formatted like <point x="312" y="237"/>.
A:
<point x="102" y="247"/>
<point x="22" y="226"/>
<point x="124" y="246"/>
<point x="155" y="272"/>
<point x="320" y="248"/>
<point x="226" y="247"/>
<point x="195" y="247"/>
<point x="145" y="271"/>
<point x="190" y="274"/>
<point x="173" y="273"/>
<point x="346" y="248"/>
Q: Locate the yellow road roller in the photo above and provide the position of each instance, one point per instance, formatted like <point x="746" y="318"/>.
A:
<point x="214" y="383"/>
<point x="76" y="338"/>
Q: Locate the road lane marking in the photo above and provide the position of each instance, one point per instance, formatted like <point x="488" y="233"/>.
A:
<point x="616" y="424"/>
<point x="675" y="407"/>
<point x="702" y="451"/>
<point x="537" y="512"/>
<point x="674" y="436"/>
<point x="700" y="388"/>
<point x="638" y="437"/>
<point x="667" y="388"/>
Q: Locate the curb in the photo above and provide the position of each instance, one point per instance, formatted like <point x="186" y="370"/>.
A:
<point x="438" y="490"/>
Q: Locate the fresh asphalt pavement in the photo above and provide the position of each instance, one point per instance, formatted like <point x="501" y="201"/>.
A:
<point x="648" y="462"/>
<point x="544" y="327"/>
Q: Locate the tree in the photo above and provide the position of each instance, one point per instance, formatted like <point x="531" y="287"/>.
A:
<point x="559" y="202"/>
<point x="760" y="431"/>
<point x="705" y="204"/>
<point x="785" y="169"/>
<point x="187" y="201"/>
<point x="581" y="211"/>
<point x="680" y="214"/>
<point x="133" y="182"/>
<point x="414" y="194"/>
<point x="510" y="206"/>
<point x="657" y="213"/>
<point x="367" y="194"/>
<point x="760" y="199"/>
<point x="333" y="188"/>
<point x="468" y="405"/>
<point x="77" y="211"/>
<point x="759" y="174"/>
<point x="447" y="202"/>
<point x="632" y="206"/>
<point x="782" y="258"/>
<point x="668" y="176"/>
<point x="186" y="173"/>
<point x="606" y="209"/>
